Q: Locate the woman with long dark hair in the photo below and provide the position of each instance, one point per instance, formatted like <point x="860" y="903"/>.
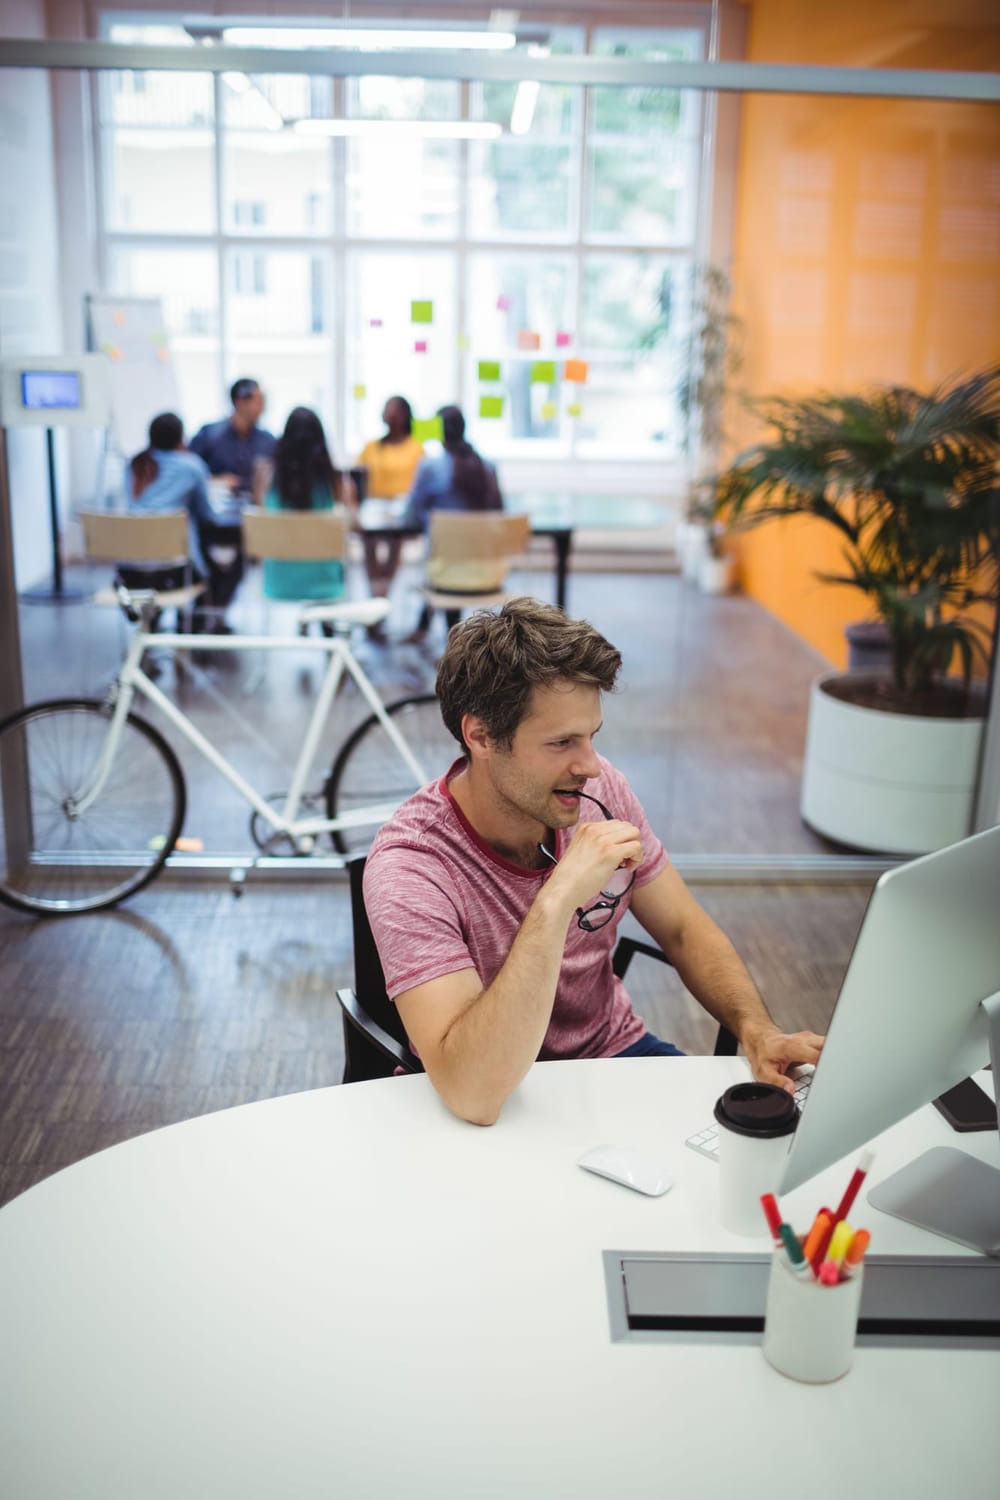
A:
<point x="303" y="476"/>
<point x="457" y="479"/>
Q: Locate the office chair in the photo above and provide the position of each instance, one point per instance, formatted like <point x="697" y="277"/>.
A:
<point x="375" y="1043"/>
<point x="468" y="559"/>
<point x="149" y="551"/>
<point x="294" y="536"/>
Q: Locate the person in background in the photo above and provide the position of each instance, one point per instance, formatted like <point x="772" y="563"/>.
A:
<point x="303" y="476"/>
<point x="391" y="462"/>
<point x="457" y="479"/>
<point x="166" y="477"/>
<point x="232" y="449"/>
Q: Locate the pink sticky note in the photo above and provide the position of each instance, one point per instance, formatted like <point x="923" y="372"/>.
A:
<point x="420" y="347"/>
<point x="526" y="339"/>
<point x="374" y="322"/>
<point x="503" y="303"/>
<point x="563" y="340"/>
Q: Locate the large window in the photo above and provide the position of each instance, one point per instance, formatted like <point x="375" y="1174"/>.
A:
<point x="509" y="245"/>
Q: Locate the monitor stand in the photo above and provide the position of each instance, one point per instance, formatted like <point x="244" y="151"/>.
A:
<point x="946" y="1190"/>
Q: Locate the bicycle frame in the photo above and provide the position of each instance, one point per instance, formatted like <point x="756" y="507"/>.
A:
<point x="132" y="680"/>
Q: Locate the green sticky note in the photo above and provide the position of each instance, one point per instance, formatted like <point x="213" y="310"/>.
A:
<point x="463" y="343"/>
<point x="574" y="409"/>
<point x="491" y="406"/>
<point x="489" y="369"/>
<point x="543" y="372"/>
<point x="421" y="312"/>
<point x="427" y="430"/>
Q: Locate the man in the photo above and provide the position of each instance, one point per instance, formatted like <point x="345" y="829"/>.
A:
<point x="494" y="894"/>
<point x="231" y="449"/>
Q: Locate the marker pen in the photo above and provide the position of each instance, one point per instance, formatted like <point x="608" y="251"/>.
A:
<point x="841" y="1238"/>
<point x="769" y="1204"/>
<point x="796" y="1259"/>
<point x="855" y="1253"/>
<point x="829" y="1274"/>
<point x="817" y="1233"/>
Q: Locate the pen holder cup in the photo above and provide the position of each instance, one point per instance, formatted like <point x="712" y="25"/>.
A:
<point x="809" y="1329"/>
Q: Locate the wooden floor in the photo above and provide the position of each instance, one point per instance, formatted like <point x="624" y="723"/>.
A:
<point x="188" y="1000"/>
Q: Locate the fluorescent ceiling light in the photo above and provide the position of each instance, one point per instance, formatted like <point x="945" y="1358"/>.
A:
<point x="368" y="38"/>
<point x="269" y="117"/>
<point x="439" y="130"/>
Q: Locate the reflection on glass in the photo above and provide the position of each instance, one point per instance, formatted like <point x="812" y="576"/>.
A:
<point x="642" y="193"/>
<point x="276" y="184"/>
<point x="378" y="98"/>
<point x="402" y="188"/>
<point x="276" y="293"/>
<point x="185" y="281"/>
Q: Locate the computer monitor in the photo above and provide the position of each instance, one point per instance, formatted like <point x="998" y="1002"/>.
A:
<point x="919" y="1009"/>
<point x="51" y="390"/>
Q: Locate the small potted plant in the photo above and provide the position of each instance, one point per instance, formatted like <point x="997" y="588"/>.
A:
<point x="910" y="482"/>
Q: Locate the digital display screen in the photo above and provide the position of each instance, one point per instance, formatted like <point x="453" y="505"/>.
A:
<point x="51" y="390"/>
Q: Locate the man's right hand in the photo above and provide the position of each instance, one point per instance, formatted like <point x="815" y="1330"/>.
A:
<point x="596" y="851"/>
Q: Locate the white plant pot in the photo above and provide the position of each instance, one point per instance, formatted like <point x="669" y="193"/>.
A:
<point x="691" y="544"/>
<point x="715" y="574"/>
<point x="890" y="783"/>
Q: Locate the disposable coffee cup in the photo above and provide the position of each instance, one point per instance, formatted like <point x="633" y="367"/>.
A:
<point x="756" y="1123"/>
<point x="809" y="1328"/>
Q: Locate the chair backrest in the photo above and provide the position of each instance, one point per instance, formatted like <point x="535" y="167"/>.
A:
<point x="294" y="535"/>
<point x="117" y="536"/>
<point x="472" y="549"/>
<point x="364" y="1059"/>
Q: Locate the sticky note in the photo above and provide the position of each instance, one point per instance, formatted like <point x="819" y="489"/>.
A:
<point x="421" y="312"/>
<point x="427" y="430"/>
<point x="503" y="303"/>
<point x="360" y="392"/>
<point x="528" y="340"/>
<point x="463" y="343"/>
<point x="573" y="410"/>
<point x="163" y="355"/>
<point x="576" y="370"/>
<point x="543" y="372"/>
<point x="563" y="340"/>
<point x="549" y="411"/>
<point x="121" y="318"/>
<point x="374" y="322"/>
<point x="491" y="406"/>
<point x="489" y="369"/>
<point x="190" y="846"/>
<point x="420" y="347"/>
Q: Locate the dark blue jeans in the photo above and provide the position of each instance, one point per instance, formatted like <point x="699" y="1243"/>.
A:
<point x="649" y="1045"/>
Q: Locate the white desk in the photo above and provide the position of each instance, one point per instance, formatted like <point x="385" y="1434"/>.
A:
<point x="350" y="1293"/>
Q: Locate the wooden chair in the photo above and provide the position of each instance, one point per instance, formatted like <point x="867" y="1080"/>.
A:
<point x="375" y="1043"/>
<point x="297" y="536"/>
<point x="136" y="543"/>
<point x="469" y="557"/>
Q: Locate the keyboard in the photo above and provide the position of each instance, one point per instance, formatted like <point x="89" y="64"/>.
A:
<point x="707" y="1141"/>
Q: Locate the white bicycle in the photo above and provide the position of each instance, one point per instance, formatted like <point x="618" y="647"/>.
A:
<point x="93" y="796"/>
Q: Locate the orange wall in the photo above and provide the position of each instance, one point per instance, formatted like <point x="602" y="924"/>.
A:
<point x="867" y="247"/>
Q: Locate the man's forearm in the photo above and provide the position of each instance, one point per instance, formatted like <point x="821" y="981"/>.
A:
<point x="719" y="980"/>
<point x="489" y="1048"/>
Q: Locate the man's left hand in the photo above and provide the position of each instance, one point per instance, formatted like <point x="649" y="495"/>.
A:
<point x="771" y="1053"/>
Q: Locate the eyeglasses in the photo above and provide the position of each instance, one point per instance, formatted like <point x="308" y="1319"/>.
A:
<point x="593" y="918"/>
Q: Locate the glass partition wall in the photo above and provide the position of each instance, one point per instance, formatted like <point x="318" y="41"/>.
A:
<point x="500" y="265"/>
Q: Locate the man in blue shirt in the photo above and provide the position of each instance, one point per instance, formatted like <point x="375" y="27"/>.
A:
<point x="231" y="449"/>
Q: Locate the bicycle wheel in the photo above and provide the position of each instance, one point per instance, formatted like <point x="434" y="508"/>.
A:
<point x="57" y="859"/>
<point x="369" y="770"/>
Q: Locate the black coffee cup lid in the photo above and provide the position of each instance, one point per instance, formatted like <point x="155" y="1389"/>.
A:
<point x="760" y="1109"/>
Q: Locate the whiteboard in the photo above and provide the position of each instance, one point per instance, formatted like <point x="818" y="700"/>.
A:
<point x="130" y="333"/>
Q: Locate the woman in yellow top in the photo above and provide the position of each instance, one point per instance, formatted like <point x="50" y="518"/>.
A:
<point x="391" y="462"/>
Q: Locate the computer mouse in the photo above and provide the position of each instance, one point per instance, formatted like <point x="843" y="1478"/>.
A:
<point x="630" y="1168"/>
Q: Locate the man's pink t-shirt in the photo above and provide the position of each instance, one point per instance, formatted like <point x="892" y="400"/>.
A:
<point x="439" y="900"/>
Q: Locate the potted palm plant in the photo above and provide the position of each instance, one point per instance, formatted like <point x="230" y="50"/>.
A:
<point x="911" y="483"/>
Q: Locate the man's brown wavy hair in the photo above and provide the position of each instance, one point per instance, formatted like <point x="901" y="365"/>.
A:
<point x="494" y="660"/>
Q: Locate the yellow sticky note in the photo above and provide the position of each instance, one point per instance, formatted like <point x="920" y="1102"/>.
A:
<point x="528" y="340"/>
<point x="421" y="312"/>
<point x="463" y="343"/>
<point x="574" y="410"/>
<point x="360" y="392"/>
<point x="549" y="411"/>
<point x="491" y="406"/>
<point x="576" y="370"/>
